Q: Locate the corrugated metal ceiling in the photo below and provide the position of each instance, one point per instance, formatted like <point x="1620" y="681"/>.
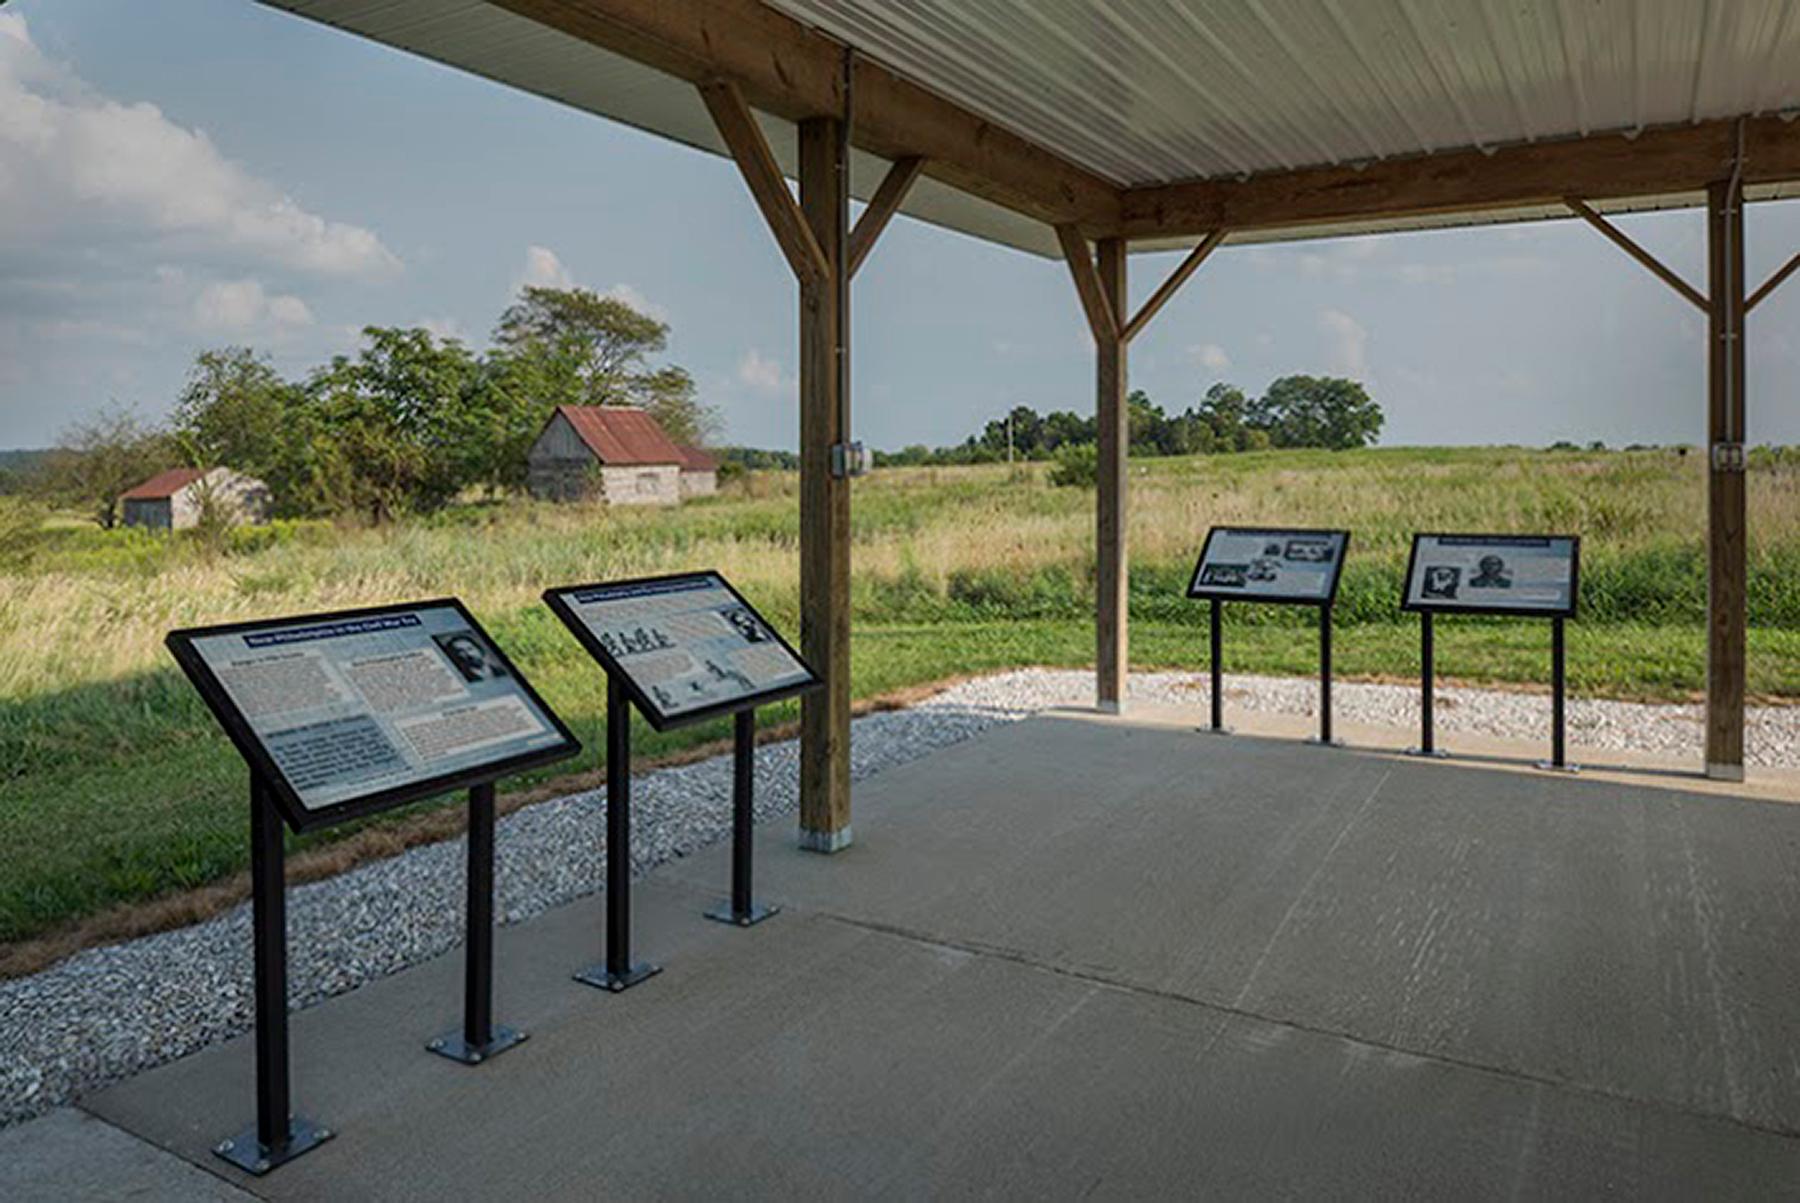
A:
<point x="1147" y="92"/>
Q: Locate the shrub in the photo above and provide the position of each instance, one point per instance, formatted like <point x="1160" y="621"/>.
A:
<point x="1076" y="467"/>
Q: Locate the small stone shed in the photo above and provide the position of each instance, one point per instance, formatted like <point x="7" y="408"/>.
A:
<point x="176" y="499"/>
<point x="699" y="473"/>
<point x="616" y="454"/>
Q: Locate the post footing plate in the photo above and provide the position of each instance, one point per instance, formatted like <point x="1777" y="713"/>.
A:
<point x="1550" y="766"/>
<point x="1430" y="753"/>
<point x="597" y="976"/>
<point x="253" y="1157"/>
<point x="1316" y="742"/>
<point x="750" y="918"/>
<point x="455" y="1047"/>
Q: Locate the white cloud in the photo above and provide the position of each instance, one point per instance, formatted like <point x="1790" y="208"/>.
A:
<point x="71" y="157"/>
<point x="761" y="373"/>
<point x="442" y="328"/>
<point x="242" y="305"/>
<point x="543" y="270"/>
<point x="1210" y="356"/>
<point x="1347" y="351"/>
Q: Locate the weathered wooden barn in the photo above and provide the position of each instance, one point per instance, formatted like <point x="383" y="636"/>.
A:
<point x="611" y="453"/>
<point x="177" y="499"/>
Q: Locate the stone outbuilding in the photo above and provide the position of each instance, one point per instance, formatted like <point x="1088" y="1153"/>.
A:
<point x="611" y="453"/>
<point x="699" y="473"/>
<point x="176" y="499"/>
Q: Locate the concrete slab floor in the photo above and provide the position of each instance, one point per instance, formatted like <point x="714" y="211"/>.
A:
<point x="1084" y="955"/>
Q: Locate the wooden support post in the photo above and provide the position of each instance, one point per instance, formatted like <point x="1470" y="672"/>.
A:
<point x="1726" y="551"/>
<point x="824" y="497"/>
<point x="1111" y="574"/>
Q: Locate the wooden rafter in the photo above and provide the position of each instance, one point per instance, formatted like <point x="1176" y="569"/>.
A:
<point x="1103" y="318"/>
<point x="1672" y="159"/>
<point x="1651" y="263"/>
<point x="795" y="72"/>
<point x="886" y="202"/>
<point x="756" y="162"/>
<point x="1773" y="282"/>
<point x="1173" y="284"/>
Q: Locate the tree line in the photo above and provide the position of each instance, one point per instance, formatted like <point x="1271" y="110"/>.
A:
<point x="406" y="424"/>
<point x="1294" y="411"/>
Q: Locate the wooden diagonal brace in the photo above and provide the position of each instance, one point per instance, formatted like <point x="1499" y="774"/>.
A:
<point x="1173" y="284"/>
<point x="882" y="206"/>
<point x="1773" y="282"/>
<point x="1102" y="320"/>
<point x="1650" y="262"/>
<point x="756" y="162"/>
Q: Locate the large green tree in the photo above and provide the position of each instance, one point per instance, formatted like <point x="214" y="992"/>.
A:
<point x="400" y="427"/>
<point x="1320" y="411"/>
<point x="586" y="349"/>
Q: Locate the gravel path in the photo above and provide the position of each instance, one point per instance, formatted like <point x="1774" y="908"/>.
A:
<point x="107" y="1013"/>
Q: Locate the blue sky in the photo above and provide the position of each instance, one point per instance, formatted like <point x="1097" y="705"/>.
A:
<point x="193" y="173"/>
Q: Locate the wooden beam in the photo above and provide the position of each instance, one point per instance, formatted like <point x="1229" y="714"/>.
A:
<point x="756" y="163"/>
<point x="1672" y="159"/>
<point x="1773" y="282"/>
<point x="1651" y="263"/>
<point x="1726" y="547"/>
<point x="1102" y="314"/>
<point x="1112" y="592"/>
<point x="790" y="70"/>
<point x="889" y="196"/>
<point x="1173" y="284"/>
<point x="824" y="507"/>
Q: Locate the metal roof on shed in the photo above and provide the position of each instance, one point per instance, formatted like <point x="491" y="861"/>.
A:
<point x="1150" y="93"/>
<point x="621" y="435"/>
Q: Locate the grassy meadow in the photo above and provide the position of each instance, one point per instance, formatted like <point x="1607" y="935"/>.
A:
<point x="115" y="786"/>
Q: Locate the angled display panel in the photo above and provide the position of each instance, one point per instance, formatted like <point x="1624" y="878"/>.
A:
<point x="1270" y="564"/>
<point x="1531" y="575"/>
<point x="687" y="647"/>
<point x="348" y="713"/>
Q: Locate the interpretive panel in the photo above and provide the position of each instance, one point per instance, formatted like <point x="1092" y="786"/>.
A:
<point x="1494" y="574"/>
<point x="687" y="647"/>
<point x="1254" y="563"/>
<point x="348" y="713"/>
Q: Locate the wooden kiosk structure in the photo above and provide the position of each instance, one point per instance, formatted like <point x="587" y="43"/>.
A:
<point x="1091" y="128"/>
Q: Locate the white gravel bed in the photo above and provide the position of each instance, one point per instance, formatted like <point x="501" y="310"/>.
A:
<point x="107" y="1013"/>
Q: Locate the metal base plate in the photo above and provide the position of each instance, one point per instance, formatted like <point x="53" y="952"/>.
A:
<point x="596" y="975"/>
<point x="1213" y="730"/>
<point x="245" y="1152"/>
<point x="1434" y="753"/>
<point x="756" y="914"/>
<point x="1552" y="767"/>
<point x="453" y="1046"/>
<point x="1316" y="742"/>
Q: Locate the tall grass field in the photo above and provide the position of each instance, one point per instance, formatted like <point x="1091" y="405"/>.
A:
<point x="116" y="787"/>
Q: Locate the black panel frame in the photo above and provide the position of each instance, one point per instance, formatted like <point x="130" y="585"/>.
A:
<point x="557" y="600"/>
<point x="1412" y="562"/>
<point x="1196" y="592"/>
<point x="287" y="800"/>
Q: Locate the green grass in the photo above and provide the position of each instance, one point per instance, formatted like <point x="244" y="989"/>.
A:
<point x="115" y="785"/>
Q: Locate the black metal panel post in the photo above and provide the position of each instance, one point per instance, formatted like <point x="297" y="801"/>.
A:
<point x="1325" y="675"/>
<point x="278" y="1135"/>
<point x="1218" y="656"/>
<point x="742" y="910"/>
<point x="1558" y="688"/>
<point x="480" y="1038"/>
<point x="1427" y="681"/>
<point x="618" y="972"/>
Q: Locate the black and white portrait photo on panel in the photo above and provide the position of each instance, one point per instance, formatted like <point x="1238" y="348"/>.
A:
<point x="1491" y="573"/>
<point x="745" y="624"/>
<point x="469" y="657"/>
